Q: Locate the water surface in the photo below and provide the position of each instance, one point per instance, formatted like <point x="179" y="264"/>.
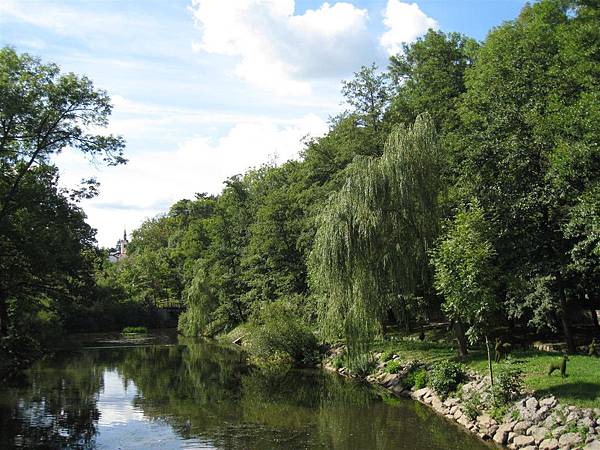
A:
<point x="203" y="396"/>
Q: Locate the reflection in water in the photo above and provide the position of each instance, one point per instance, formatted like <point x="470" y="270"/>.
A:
<point x="198" y="395"/>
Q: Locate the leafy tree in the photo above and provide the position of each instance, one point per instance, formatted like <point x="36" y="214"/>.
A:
<point x="374" y="234"/>
<point x="41" y="113"/>
<point x="465" y="275"/>
<point x="43" y="235"/>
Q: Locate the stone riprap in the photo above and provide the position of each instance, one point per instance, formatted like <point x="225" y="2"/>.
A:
<point x="531" y="423"/>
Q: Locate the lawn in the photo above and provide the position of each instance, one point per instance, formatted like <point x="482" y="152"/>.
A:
<point x="580" y="388"/>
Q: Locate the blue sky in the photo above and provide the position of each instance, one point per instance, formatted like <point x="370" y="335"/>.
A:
<point x="204" y="89"/>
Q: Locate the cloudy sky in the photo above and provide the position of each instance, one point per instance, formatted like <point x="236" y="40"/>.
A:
<point x="204" y="89"/>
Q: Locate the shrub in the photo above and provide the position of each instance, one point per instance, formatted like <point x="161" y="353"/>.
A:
<point x="387" y="355"/>
<point x="393" y="366"/>
<point x="472" y="406"/>
<point x="498" y="413"/>
<point x="420" y="378"/>
<point x="274" y="329"/>
<point x="338" y="362"/>
<point x="508" y="385"/>
<point x="446" y="376"/>
<point x="135" y="330"/>
<point x="362" y="364"/>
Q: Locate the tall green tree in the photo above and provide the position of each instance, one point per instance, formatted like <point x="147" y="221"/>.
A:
<point x="371" y="247"/>
<point x="42" y="112"/>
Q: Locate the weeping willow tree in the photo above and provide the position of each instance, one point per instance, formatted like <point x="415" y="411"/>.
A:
<point x="373" y="237"/>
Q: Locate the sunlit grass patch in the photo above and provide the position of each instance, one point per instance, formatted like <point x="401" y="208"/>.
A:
<point x="580" y="388"/>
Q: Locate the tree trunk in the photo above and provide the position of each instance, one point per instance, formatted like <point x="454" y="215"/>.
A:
<point x="595" y="319"/>
<point x="3" y="316"/>
<point x="565" y="321"/>
<point x="489" y="356"/>
<point x="459" y="331"/>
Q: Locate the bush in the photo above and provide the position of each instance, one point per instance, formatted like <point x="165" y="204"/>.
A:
<point x="419" y="378"/>
<point x="135" y="330"/>
<point x="446" y="376"/>
<point x="393" y="366"/>
<point x="362" y="364"/>
<point x="273" y="329"/>
<point x="387" y="355"/>
<point x="472" y="406"/>
<point x="508" y="385"/>
<point x="338" y="362"/>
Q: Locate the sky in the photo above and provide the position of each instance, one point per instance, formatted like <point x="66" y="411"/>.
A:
<point x="205" y="89"/>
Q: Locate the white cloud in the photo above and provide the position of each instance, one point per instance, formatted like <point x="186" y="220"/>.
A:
<point x="405" y="23"/>
<point x="152" y="181"/>
<point x="282" y="51"/>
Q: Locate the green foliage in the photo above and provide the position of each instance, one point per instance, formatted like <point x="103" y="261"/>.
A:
<point x="387" y="355"/>
<point x="464" y="270"/>
<point x="508" y="385"/>
<point x="370" y="250"/>
<point x="338" y="362"/>
<point x="275" y="330"/>
<point x="472" y="406"/>
<point x="420" y="378"/>
<point x="498" y="413"/>
<point x="361" y="365"/>
<point x="446" y="376"/>
<point x="393" y="366"/>
<point x="135" y="330"/>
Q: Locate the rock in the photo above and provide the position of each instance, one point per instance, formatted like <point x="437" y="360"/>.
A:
<point x="501" y="436"/>
<point x="450" y="402"/>
<point x="530" y="447"/>
<point x="458" y="414"/>
<point x="485" y="421"/>
<point x="523" y="441"/>
<point x="569" y="440"/>
<point x="465" y="421"/>
<point x="521" y="427"/>
<point x="572" y="417"/>
<point x="541" y="414"/>
<point x="511" y="436"/>
<point x="594" y="445"/>
<point x="438" y="405"/>
<point x="550" y="402"/>
<point x="420" y="393"/>
<point x="549" y="444"/>
<point x="585" y="422"/>
<point x="398" y="389"/>
<point x="531" y="403"/>
<point x="538" y="433"/>
<point x="558" y="431"/>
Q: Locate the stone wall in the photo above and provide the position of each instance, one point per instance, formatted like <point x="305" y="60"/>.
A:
<point x="531" y="423"/>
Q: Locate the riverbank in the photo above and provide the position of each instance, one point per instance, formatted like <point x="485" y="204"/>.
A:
<point x="531" y="421"/>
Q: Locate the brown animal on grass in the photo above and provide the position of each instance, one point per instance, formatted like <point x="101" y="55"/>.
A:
<point x="501" y="350"/>
<point x="562" y="366"/>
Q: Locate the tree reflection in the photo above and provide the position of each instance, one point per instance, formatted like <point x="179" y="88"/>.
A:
<point x="206" y="392"/>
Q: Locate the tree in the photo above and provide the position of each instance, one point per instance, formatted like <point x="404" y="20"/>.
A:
<point x="46" y="253"/>
<point x="43" y="235"/>
<point x="41" y="113"/>
<point x="371" y="247"/>
<point x="529" y="109"/>
<point x="465" y="273"/>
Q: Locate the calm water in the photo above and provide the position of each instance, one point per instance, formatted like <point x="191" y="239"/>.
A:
<point x="201" y="396"/>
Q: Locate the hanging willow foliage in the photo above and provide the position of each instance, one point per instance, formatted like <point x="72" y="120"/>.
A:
<point x="374" y="234"/>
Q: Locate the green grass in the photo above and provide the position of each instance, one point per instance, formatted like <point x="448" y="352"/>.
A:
<point x="580" y="388"/>
<point x="135" y="330"/>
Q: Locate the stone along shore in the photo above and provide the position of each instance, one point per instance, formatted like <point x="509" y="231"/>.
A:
<point x="531" y="423"/>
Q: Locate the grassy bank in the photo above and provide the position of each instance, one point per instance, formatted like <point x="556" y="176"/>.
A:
<point x="580" y="388"/>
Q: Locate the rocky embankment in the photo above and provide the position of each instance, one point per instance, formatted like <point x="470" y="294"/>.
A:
<point x="530" y="423"/>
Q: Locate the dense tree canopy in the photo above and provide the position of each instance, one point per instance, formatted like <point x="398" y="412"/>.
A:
<point x="461" y="184"/>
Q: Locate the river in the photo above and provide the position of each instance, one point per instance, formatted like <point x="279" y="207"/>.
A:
<point x="198" y="395"/>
